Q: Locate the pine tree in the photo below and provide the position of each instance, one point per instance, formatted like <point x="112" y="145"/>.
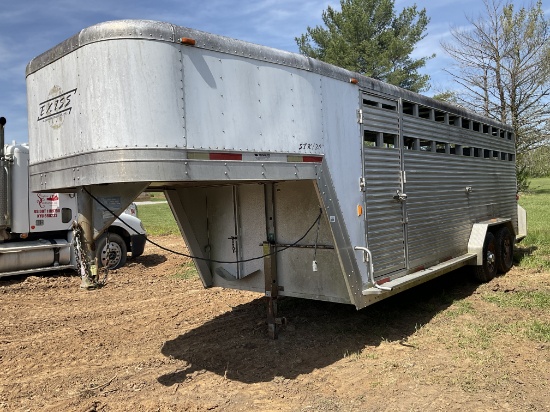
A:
<point x="367" y="37"/>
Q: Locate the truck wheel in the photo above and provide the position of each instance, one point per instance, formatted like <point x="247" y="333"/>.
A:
<point x="116" y="252"/>
<point x="505" y="249"/>
<point x="488" y="268"/>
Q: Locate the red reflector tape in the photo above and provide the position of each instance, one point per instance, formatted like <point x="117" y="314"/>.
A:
<point x="226" y="156"/>
<point x="313" y="159"/>
<point x="382" y="281"/>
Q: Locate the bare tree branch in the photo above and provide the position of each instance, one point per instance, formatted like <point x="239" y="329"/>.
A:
<point x="503" y="68"/>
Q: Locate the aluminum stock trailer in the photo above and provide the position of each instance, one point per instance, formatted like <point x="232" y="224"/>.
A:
<point x="287" y="176"/>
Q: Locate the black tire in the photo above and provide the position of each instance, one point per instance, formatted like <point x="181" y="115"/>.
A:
<point x="505" y="250"/>
<point x="488" y="270"/>
<point x="117" y="254"/>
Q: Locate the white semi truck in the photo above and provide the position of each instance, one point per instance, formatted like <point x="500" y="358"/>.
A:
<point x="36" y="228"/>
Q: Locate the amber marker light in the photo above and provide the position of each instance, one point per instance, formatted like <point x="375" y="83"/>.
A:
<point x="359" y="210"/>
<point x="188" y="41"/>
<point x="353" y="80"/>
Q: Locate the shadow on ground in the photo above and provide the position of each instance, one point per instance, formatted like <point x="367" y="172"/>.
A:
<point x="236" y="345"/>
<point x="521" y="252"/>
<point x="537" y="191"/>
<point x="149" y="260"/>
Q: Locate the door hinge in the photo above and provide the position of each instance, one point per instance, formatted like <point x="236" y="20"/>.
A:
<point x="360" y="116"/>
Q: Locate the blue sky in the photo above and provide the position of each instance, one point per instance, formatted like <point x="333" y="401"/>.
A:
<point x="30" y="27"/>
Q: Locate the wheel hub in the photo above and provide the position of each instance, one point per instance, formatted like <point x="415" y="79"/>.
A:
<point x="111" y="254"/>
<point x="490" y="257"/>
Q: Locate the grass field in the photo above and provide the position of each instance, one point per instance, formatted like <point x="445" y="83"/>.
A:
<point x="158" y="220"/>
<point x="534" y="250"/>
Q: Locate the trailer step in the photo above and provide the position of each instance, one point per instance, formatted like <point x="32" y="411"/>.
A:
<point x="422" y="276"/>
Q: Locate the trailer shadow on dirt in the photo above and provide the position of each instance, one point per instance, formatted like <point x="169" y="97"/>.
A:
<point x="522" y="252"/>
<point x="236" y="345"/>
<point x="150" y="260"/>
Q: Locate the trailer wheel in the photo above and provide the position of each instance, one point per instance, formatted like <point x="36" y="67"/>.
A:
<point x="116" y="252"/>
<point x="505" y="249"/>
<point x="488" y="268"/>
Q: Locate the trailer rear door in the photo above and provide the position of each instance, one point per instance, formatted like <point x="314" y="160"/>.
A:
<point x="383" y="183"/>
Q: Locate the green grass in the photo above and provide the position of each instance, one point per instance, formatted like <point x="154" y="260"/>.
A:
<point x="460" y="307"/>
<point x="534" y="250"/>
<point x="158" y="220"/>
<point x="528" y="304"/>
<point x="186" y="271"/>
<point x="539" y="331"/>
<point x="523" y="299"/>
<point x="157" y="197"/>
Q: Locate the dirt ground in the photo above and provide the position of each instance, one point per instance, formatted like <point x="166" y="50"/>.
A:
<point x="154" y="340"/>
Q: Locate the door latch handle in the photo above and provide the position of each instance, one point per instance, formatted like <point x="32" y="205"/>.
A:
<point x="400" y="197"/>
<point x="362" y="184"/>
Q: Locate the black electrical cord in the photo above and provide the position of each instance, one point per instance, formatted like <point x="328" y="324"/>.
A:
<point x="201" y="258"/>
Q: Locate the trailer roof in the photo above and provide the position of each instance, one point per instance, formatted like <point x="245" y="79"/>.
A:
<point x="167" y="32"/>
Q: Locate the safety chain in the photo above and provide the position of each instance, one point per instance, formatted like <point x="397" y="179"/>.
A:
<point x="107" y="261"/>
<point x="89" y="277"/>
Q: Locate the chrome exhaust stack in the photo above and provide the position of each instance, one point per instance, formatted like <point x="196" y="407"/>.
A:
<point x="4" y="216"/>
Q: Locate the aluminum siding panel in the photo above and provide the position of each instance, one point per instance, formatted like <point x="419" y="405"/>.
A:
<point x="385" y="237"/>
<point x="440" y="212"/>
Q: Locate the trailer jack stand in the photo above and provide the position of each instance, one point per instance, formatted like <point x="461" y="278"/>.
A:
<point x="86" y="269"/>
<point x="90" y="280"/>
<point x="84" y="240"/>
<point x="273" y="322"/>
<point x="271" y="290"/>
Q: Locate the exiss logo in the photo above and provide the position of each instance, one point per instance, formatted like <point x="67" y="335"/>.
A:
<point x="56" y="107"/>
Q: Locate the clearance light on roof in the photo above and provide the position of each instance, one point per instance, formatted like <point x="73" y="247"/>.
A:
<point x="188" y="41"/>
<point x="353" y="80"/>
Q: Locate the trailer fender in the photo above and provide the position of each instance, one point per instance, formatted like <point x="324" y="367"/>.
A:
<point x="522" y="224"/>
<point x="479" y="232"/>
<point x="477" y="238"/>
